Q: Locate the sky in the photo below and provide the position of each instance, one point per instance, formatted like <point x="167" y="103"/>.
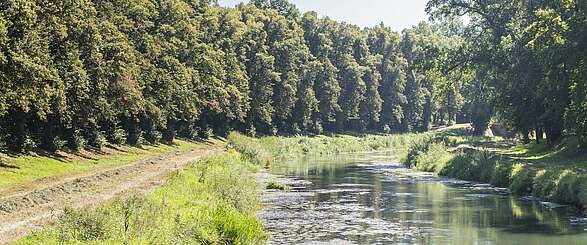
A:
<point x="397" y="14"/>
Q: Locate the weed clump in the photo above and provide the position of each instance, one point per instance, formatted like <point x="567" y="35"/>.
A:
<point x="277" y="186"/>
<point x="250" y="148"/>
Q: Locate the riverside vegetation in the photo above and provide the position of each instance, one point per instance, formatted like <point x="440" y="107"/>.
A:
<point x="82" y="74"/>
<point x="556" y="174"/>
<point x="212" y="201"/>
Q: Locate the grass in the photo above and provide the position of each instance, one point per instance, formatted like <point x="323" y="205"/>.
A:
<point x="553" y="174"/>
<point x="266" y="149"/>
<point x="276" y="186"/>
<point x="565" y="154"/>
<point x="210" y="202"/>
<point x="15" y="170"/>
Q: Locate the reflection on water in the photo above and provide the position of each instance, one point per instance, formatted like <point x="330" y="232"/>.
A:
<point x="366" y="199"/>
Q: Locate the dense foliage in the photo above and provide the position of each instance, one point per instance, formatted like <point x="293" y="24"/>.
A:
<point x="529" y="57"/>
<point x="82" y="73"/>
<point x="79" y="73"/>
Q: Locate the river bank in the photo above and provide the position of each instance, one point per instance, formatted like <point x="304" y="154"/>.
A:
<point x="218" y="198"/>
<point x="554" y="174"/>
<point x="371" y="198"/>
<point x="211" y="201"/>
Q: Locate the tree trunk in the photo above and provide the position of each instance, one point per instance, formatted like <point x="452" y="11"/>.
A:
<point x="539" y="134"/>
<point x="553" y="136"/>
<point x="169" y="132"/>
<point x="427" y="117"/>
<point x="18" y="131"/>
<point x="525" y="137"/>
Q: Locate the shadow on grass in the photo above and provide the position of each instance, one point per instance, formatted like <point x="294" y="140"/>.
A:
<point x="8" y="166"/>
<point x="567" y="153"/>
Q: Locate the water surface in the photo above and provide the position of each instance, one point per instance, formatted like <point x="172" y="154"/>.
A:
<point x="371" y="199"/>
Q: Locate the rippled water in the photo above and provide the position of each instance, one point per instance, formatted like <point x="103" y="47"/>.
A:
<point x="369" y="199"/>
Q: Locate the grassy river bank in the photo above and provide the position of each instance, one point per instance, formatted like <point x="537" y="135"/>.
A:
<point x="214" y="201"/>
<point x="550" y="173"/>
<point x="555" y="174"/>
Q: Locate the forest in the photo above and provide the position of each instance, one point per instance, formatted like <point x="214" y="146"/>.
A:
<point x="82" y="73"/>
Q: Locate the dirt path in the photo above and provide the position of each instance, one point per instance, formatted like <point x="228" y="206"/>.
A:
<point x="21" y="213"/>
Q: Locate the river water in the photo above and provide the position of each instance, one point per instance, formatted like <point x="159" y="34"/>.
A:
<point x="371" y="199"/>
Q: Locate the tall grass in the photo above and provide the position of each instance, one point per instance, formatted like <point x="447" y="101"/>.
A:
<point x="211" y="202"/>
<point x="262" y="149"/>
<point x="551" y="183"/>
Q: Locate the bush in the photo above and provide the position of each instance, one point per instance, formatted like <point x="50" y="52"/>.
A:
<point x="80" y="225"/>
<point x="544" y="184"/>
<point x="318" y="129"/>
<point x="153" y="136"/>
<point x="29" y="144"/>
<point x="502" y="174"/>
<point x="205" y="133"/>
<point x="582" y="194"/>
<point x="434" y="159"/>
<point x="77" y="141"/>
<point x="98" y="140"/>
<point x="386" y="129"/>
<point x="118" y="136"/>
<point x="566" y="188"/>
<point x="522" y="179"/>
<point x="58" y="143"/>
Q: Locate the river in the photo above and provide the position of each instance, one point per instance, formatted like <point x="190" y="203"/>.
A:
<point x="372" y="199"/>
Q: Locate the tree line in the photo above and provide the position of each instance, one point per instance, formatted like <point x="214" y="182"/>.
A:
<point x="529" y="60"/>
<point x="79" y="73"/>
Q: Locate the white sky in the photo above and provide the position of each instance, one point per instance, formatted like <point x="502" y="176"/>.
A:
<point x="397" y="14"/>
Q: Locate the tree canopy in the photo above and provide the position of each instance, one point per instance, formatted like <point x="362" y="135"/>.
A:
<point x="79" y="73"/>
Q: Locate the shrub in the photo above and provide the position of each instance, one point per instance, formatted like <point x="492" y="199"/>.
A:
<point x="544" y="183"/>
<point x="98" y="140"/>
<point x="416" y="149"/>
<point x="566" y="188"/>
<point x="153" y="136"/>
<point x="386" y="129"/>
<point x="252" y="131"/>
<point x="118" y="136"/>
<point x="582" y="194"/>
<point x="77" y="141"/>
<point x="80" y="225"/>
<point x="502" y="174"/>
<point x="318" y="129"/>
<point x="29" y="144"/>
<point x="522" y="179"/>
<point x="58" y="143"/>
<point x="433" y="159"/>
<point x="206" y="132"/>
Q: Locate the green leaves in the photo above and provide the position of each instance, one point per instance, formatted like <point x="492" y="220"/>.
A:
<point x="83" y="71"/>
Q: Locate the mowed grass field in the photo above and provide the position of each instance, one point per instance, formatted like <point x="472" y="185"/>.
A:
<point x="18" y="170"/>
